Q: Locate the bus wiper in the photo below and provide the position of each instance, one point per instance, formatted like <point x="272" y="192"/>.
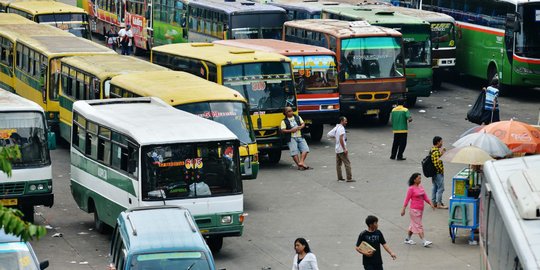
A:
<point x="191" y="266"/>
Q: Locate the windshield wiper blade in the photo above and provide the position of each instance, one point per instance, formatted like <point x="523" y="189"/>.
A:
<point x="191" y="266"/>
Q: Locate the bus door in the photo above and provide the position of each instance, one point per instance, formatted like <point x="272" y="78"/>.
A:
<point x="509" y="37"/>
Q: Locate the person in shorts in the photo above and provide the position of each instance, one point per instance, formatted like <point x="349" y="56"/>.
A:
<point x="291" y="128"/>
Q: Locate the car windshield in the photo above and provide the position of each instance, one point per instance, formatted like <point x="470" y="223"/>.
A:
<point x="16" y="256"/>
<point x="371" y="57"/>
<point x="528" y="39"/>
<point x="170" y="260"/>
<point x="267" y="86"/>
<point x="25" y="130"/>
<point x="180" y="171"/>
<point x="443" y="35"/>
<point x="417" y="54"/>
<point x="234" y="115"/>
<point x="314" y="72"/>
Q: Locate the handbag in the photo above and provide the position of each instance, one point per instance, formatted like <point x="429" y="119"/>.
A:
<point x="474" y="115"/>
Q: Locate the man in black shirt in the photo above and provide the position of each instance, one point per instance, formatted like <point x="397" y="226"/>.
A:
<point x="372" y="259"/>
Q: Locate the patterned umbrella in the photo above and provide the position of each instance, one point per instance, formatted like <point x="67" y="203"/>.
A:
<point x="518" y="136"/>
<point x="485" y="141"/>
<point x="466" y="155"/>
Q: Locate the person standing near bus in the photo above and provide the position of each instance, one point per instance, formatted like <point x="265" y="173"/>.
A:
<point x="438" y="180"/>
<point x="126" y="39"/>
<point x="416" y="195"/>
<point x="400" y="119"/>
<point x="342" y="153"/>
<point x="291" y="127"/>
<point x="491" y="105"/>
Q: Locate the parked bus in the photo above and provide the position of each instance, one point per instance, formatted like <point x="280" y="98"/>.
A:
<point x="496" y="38"/>
<point x="510" y="215"/>
<point x="89" y="77"/>
<point x="315" y="75"/>
<point x="134" y="244"/>
<point x="416" y="43"/>
<point x="12" y="18"/>
<point x="142" y="152"/>
<point x="36" y="62"/>
<point x="306" y="9"/>
<point x="264" y="79"/>
<point x="371" y="64"/>
<point x="58" y="14"/>
<point x="192" y="94"/>
<point x="23" y="127"/>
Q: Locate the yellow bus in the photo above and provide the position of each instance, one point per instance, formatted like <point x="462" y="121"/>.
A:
<point x="58" y="14"/>
<point x="189" y="93"/>
<point x="36" y="62"/>
<point x="10" y="30"/>
<point x="89" y="77"/>
<point x="265" y="79"/>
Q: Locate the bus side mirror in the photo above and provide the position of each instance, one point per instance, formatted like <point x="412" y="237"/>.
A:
<point x="44" y="264"/>
<point x="51" y="140"/>
<point x="132" y="165"/>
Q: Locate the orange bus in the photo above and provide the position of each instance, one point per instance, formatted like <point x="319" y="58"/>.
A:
<point x="370" y="60"/>
<point x="315" y="76"/>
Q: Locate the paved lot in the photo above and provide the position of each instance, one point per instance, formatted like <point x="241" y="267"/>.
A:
<point x="284" y="203"/>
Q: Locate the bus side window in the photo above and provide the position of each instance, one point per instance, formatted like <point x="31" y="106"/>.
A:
<point x="91" y="140"/>
<point x="212" y="72"/>
<point x="104" y="145"/>
<point x="79" y="133"/>
<point x="133" y="160"/>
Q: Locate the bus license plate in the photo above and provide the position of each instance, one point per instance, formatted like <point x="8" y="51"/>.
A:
<point x="308" y="121"/>
<point x="373" y="111"/>
<point x="8" y="202"/>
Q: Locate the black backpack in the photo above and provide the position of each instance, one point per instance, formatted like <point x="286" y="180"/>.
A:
<point x="428" y="168"/>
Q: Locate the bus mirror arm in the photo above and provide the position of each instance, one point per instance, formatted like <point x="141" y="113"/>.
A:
<point x="246" y="145"/>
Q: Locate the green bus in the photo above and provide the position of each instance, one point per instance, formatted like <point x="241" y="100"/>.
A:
<point x="416" y="42"/>
<point x="496" y="38"/>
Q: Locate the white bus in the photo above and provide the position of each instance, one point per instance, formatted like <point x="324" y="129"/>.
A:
<point x="135" y="152"/>
<point x="510" y="214"/>
<point x="23" y="127"/>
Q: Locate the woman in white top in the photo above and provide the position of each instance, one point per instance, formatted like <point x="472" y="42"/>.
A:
<point x="304" y="259"/>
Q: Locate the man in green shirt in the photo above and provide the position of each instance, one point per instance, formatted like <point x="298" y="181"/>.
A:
<point x="400" y="119"/>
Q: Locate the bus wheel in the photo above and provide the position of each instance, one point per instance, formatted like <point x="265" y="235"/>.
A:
<point x="383" y="118"/>
<point x="316" y="132"/>
<point x="274" y="156"/>
<point x="215" y="243"/>
<point x="100" y="226"/>
<point x="28" y="212"/>
<point x="411" y="101"/>
<point x="492" y="73"/>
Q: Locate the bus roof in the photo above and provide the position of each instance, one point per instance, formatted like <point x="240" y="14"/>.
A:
<point x="278" y="46"/>
<point x="307" y="5"/>
<point x="426" y="15"/>
<point x="65" y="45"/>
<point x="22" y="31"/>
<point x="523" y="233"/>
<point x="149" y="121"/>
<point x="175" y="231"/>
<point x="12" y="18"/>
<point x="176" y="87"/>
<point x="219" y="54"/>
<point x="108" y="66"/>
<point x="45" y="7"/>
<point x="13" y="102"/>
<point x="343" y="29"/>
<point x="375" y="15"/>
<point x="236" y="7"/>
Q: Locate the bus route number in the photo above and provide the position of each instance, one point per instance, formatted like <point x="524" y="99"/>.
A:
<point x="258" y="86"/>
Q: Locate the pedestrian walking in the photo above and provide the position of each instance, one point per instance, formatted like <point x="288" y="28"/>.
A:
<point x="342" y="153"/>
<point x="438" y="180"/>
<point x="304" y="259"/>
<point x="400" y="119"/>
<point x="125" y="35"/>
<point x="491" y="105"/>
<point x="416" y="195"/>
<point x="371" y="258"/>
<point x="111" y="38"/>
<point x="291" y="127"/>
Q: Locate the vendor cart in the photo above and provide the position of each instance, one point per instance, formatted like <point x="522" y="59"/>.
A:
<point x="463" y="207"/>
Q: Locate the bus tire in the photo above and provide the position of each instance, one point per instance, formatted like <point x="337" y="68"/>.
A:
<point x="99" y="225"/>
<point x="492" y="73"/>
<point x="215" y="243"/>
<point x="411" y="101"/>
<point x="28" y="212"/>
<point x="316" y="132"/>
<point x="274" y="156"/>
<point x="383" y="118"/>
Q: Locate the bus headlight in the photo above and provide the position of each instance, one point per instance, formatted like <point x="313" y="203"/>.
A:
<point x="226" y="220"/>
<point x="40" y="187"/>
<point x="32" y="187"/>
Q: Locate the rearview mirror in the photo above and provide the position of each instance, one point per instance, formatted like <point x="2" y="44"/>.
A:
<point x="44" y="264"/>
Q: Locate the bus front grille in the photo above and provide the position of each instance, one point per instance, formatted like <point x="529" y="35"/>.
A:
<point x="11" y="188"/>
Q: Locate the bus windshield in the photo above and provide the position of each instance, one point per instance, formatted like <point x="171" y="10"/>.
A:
<point x="75" y="23"/>
<point x="314" y="72"/>
<point x="528" y="39"/>
<point x="234" y="115"/>
<point x="371" y="57"/>
<point x="417" y="53"/>
<point x="170" y="260"/>
<point x="25" y="130"/>
<point x="267" y="86"/>
<point x="191" y="170"/>
<point x="443" y="35"/>
<point x="254" y="25"/>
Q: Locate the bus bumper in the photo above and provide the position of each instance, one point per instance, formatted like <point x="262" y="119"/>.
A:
<point x="349" y="105"/>
<point x="23" y="201"/>
<point x="249" y="168"/>
<point x="320" y="117"/>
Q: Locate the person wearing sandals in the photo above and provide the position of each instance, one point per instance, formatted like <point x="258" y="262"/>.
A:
<point x="291" y="127"/>
<point x="416" y="195"/>
<point x="304" y="259"/>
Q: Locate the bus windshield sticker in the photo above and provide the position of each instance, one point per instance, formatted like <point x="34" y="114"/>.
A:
<point x="258" y="86"/>
<point x="171" y="164"/>
<point x="6" y="133"/>
<point x="195" y="163"/>
<point x="320" y="62"/>
<point x="214" y="114"/>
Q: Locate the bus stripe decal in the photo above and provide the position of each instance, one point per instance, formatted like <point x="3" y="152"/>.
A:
<point x="477" y="28"/>
<point x="527" y="60"/>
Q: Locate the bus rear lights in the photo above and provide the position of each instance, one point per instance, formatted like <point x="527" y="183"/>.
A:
<point x="226" y="219"/>
<point x="329" y="107"/>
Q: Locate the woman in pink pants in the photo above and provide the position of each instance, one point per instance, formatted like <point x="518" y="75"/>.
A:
<point x="417" y="196"/>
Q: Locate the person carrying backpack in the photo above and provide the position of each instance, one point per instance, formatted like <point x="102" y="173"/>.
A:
<point x="438" y="180"/>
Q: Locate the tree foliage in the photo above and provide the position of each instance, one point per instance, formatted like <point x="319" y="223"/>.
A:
<point x="11" y="219"/>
